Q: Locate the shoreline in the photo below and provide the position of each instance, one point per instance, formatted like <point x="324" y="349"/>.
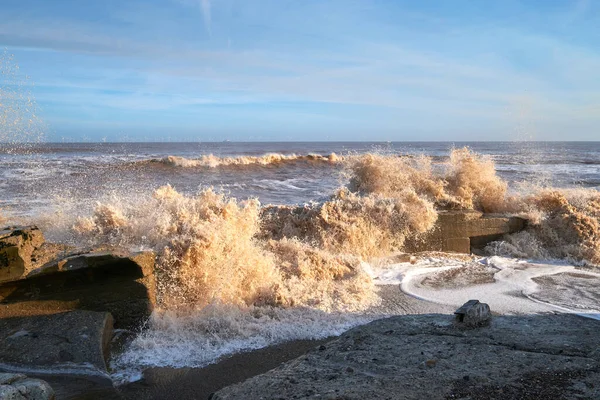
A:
<point x="200" y="383"/>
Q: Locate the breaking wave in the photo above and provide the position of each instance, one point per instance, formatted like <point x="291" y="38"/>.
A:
<point x="216" y="249"/>
<point x="235" y="274"/>
<point x="212" y="161"/>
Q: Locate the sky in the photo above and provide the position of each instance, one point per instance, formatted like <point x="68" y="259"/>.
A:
<point x="303" y="70"/>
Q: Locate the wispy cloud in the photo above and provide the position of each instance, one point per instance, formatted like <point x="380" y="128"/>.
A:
<point x="358" y="63"/>
<point x="205" y="5"/>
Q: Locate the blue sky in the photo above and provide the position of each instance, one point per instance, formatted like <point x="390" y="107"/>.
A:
<point x="310" y="69"/>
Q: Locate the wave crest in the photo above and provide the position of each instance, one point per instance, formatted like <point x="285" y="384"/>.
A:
<point x="212" y="161"/>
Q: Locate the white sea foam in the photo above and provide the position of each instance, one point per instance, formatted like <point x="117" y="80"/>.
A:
<point x="512" y="291"/>
<point x="199" y="339"/>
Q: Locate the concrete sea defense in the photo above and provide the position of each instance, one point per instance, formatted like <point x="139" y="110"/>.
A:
<point x="118" y="281"/>
<point x="465" y="231"/>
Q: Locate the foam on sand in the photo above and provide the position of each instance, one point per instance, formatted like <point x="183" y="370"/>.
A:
<point x="509" y="286"/>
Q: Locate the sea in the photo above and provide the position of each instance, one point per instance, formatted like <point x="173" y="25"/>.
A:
<point x="199" y="207"/>
<point x="35" y="177"/>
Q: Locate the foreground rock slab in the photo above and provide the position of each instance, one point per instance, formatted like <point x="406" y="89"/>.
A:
<point x="428" y="357"/>
<point x="72" y="341"/>
<point x="68" y="350"/>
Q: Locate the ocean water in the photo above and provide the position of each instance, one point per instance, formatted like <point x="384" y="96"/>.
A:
<point x="260" y="243"/>
<point x="33" y="177"/>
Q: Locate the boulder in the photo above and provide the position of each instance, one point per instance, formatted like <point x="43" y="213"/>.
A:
<point x="118" y="282"/>
<point x="20" y="387"/>
<point x="429" y="357"/>
<point x="473" y="314"/>
<point x="17" y="245"/>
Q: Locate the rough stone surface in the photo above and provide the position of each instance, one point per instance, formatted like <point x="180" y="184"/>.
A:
<point x="76" y="340"/>
<point x="17" y="245"/>
<point x="472" y="314"/>
<point x="460" y="231"/>
<point x="120" y="283"/>
<point x="20" y="387"/>
<point x="428" y="357"/>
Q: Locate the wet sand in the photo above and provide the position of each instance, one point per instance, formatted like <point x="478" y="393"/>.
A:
<point x="200" y="383"/>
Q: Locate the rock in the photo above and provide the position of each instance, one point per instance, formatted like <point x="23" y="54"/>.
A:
<point x="20" y="387"/>
<point x="77" y="340"/>
<point x="68" y="350"/>
<point x="17" y="245"/>
<point x="7" y="379"/>
<point x="118" y="282"/>
<point x="473" y="314"/>
<point x="533" y="356"/>
<point x="34" y="389"/>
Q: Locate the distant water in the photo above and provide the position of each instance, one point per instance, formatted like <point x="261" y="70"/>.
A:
<point x="34" y="177"/>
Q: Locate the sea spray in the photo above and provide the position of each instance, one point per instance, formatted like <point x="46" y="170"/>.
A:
<point x="237" y="275"/>
<point x="212" y="248"/>
<point x="208" y="254"/>
<point x="20" y="124"/>
<point x="349" y="223"/>
<point x="565" y="225"/>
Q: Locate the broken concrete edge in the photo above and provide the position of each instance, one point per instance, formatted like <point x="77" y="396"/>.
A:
<point x="465" y="230"/>
<point x="24" y="253"/>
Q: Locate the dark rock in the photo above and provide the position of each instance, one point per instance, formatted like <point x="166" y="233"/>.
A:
<point x="473" y="314"/>
<point x="73" y="340"/>
<point x="20" y="387"/>
<point x="68" y="350"/>
<point x="523" y="360"/>
<point x="118" y="282"/>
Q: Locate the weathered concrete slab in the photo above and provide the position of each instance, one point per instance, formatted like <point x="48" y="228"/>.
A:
<point x="77" y="340"/>
<point x="68" y="350"/>
<point x="144" y="261"/>
<point x="17" y="245"/>
<point x="460" y="231"/>
<point x="428" y="357"/>
<point x="120" y="283"/>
